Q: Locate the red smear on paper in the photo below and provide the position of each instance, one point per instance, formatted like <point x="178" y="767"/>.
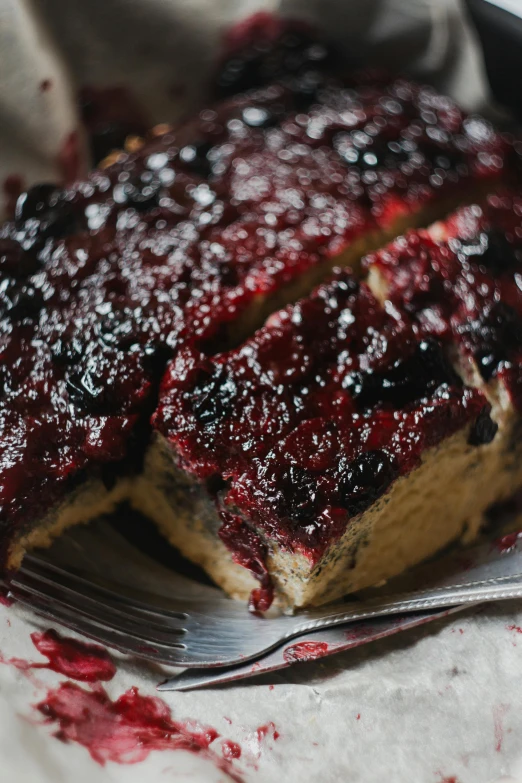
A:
<point x="515" y="628"/>
<point x="79" y="660"/>
<point x="447" y="778"/>
<point x="305" y="651"/>
<point x="230" y="750"/>
<point x="268" y="729"/>
<point x="499" y="713"/>
<point x="75" y="659"/>
<point x="125" y="730"/>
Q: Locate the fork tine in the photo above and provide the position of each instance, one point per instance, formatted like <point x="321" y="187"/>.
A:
<point x="28" y="580"/>
<point x="172" y="654"/>
<point x="106" y="615"/>
<point x="103" y="634"/>
<point x="137" y="599"/>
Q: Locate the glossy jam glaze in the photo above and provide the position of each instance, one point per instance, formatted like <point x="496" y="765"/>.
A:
<point x="464" y="285"/>
<point x="310" y="421"/>
<point x="104" y="281"/>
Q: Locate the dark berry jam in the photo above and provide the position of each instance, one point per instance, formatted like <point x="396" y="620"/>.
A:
<point x="168" y="252"/>
<point x="462" y="282"/>
<point x="301" y="448"/>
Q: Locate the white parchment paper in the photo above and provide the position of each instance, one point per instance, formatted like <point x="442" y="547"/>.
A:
<point x="437" y="705"/>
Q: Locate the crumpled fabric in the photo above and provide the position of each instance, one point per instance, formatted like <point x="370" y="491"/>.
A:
<point x="156" y="59"/>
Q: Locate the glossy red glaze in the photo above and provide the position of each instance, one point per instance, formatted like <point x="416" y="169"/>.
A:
<point x="464" y="285"/>
<point x="104" y="281"/>
<point x="307" y="423"/>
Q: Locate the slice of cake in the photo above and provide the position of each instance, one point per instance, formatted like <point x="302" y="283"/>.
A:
<point x="187" y="244"/>
<point x="460" y="281"/>
<point x="332" y="450"/>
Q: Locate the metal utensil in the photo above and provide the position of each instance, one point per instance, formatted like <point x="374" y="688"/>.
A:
<point x="310" y="647"/>
<point x="125" y="600"/>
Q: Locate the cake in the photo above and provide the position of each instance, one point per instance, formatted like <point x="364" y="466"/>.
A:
<point x="120" y="292"/>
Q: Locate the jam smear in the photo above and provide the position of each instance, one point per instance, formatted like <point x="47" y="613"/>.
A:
<point x="124" y="730"/>
<point x="305" y="651"/>
<point x="248" y="551"/>
<point x="73" y="658"/>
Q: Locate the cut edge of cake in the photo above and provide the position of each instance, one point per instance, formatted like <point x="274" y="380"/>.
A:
<point x="370" y="551"/>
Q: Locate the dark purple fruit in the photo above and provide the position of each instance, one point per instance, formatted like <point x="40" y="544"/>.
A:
<point x="298" y="497"/>
<point x="44" y="213"/>
<point x="118" y="329"/>
<point x="484" y="429"/>
<point x="449" y="159"/>
<point x="21" y="301"/>
<point x="499" y="255"/>
<point x="406" y="381"/>
<point x="14" y="262"/>
<point x="195" y="157"/>
<point x="212" y="397"/>
<point x="365" y="479"/>
<point x="367" y="153"/>
<point x="262" y="61"/>
<point x="85" y="392"/>
<point x="67" y="351"/>
<point x="141" y="193"/>
<point x="494" y="337"/>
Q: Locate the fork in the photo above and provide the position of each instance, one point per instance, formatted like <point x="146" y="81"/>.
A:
<point x="123" y="599"/>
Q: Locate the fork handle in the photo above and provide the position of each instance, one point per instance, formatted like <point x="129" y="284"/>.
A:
<point x="498" y="589"/>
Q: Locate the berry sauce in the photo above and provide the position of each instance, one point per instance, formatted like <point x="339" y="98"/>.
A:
<point x="310" y="421"/>
<point x="305" y="651"/>
<point x="75" y="659"/>
<point x="168" y="249"/>
<point x="126" y="730"/>
<point x="462" y="283"/>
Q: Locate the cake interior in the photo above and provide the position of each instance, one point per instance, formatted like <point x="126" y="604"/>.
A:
<point x="409" y="524"/>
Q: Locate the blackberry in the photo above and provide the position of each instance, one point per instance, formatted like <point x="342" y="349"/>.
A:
<point x="365" y="479"/>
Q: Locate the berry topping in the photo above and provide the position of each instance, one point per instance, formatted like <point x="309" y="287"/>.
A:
<point x="409" y="379"/>
<point x="365" y="479"/>
<point x="42" y="210"/>
<point x="297" y="495"/>
<point x="462" y="283"/>
<point x="180" y="248"/>
<point x="212" y="396"/>
<point x="496" y="334"/>
<point x="140" y="193"/>
<point x="301" y="451"/>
